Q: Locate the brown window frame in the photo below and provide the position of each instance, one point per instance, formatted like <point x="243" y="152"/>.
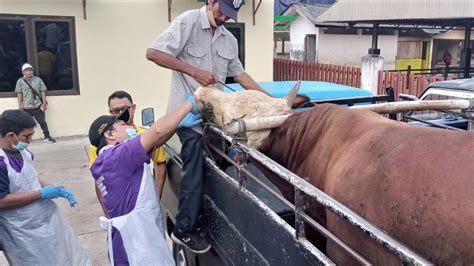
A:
<point x="31" y="51"/>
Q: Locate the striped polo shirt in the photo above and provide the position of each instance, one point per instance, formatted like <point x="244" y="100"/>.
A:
<point x="190" y="39"/>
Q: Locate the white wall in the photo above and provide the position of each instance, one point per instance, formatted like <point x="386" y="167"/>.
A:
<point x="111" y="47"/>
<point x="298" y="30"/>
<point x="339" y="49"/>
<point x="348" y="50"/>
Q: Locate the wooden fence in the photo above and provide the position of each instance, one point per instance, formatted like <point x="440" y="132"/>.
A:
<point x="284" y="69"/>
<point x="407" y="83"/>
<point x="413" y="84"/>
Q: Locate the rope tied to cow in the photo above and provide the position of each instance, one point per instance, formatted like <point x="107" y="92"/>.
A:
<point x="241" y="134"/>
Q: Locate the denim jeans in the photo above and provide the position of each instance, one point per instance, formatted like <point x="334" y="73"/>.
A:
<point x="190" y="192"/>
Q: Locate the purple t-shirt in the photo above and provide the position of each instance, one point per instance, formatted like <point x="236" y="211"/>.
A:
<point x="118" y="173"/>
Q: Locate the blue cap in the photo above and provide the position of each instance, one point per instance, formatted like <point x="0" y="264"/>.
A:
<point x="230" y="7"/>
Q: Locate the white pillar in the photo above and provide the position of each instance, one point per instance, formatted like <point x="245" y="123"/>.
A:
<point x="371" y="65"/>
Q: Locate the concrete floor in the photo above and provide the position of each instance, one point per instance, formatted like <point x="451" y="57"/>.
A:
<point x="65" y="163"/>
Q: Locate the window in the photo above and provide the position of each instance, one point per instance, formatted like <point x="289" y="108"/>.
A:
<point x="424" y="50"/>
<point x="310" y="47"/>
<point x="47" y="43"/>
<point x="281" y="44"/>
<point x="409" y="50"/>
<point x="238" y="30"/>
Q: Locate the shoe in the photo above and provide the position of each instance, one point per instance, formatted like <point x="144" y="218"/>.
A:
<point x="49" y="140"/>
<point x="193" y="241"/>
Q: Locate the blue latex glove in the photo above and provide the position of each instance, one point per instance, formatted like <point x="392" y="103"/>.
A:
<point x="50" y="192"/>
<point x="66" y="193"/>
<point x="190" y="97"/>
<point x="190" y="120"/>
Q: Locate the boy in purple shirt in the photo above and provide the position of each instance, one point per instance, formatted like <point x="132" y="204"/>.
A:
<point x="124" y="176"/>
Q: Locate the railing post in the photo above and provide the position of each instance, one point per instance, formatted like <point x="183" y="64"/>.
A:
<point x="242" y="162"/>
<point x="381" y="82"/>
<point x="445" y="72"/>
<point x="299" y="210"/>
<point x="391" y="98"/>
<point x="470" y="125"/>
<point x="408" y="78"/>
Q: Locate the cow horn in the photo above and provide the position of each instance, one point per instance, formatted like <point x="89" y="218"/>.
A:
<point x="395" y="107"/>
<point x="290" y="98"/>
<point x="254" y="124"/>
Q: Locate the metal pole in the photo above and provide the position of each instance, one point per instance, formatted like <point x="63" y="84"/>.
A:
<point x="407" y="84"/>
<point x="299" y="210"/>
<point x="466" y="51"/>
<point x="375" y="36"/>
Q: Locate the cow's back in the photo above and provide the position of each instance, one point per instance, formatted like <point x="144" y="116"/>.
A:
<point x="413" y="182"/>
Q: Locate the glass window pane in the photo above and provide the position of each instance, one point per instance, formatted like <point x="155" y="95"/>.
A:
<point x="54" y="54"/>
<point x="12" y="52"/>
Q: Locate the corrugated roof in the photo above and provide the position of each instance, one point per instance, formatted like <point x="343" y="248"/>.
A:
<point x="434" y="12"/>
<point x="309" y="11"/>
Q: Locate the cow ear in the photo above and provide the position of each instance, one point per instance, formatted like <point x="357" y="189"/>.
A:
<point x="290" y="98"/>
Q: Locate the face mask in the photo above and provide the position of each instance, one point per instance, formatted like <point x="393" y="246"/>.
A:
<point x="20" y="146"/>
<point x="210" y="16"/>
<point x="131" y="132"/>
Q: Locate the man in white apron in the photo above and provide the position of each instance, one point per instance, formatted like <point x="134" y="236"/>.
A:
<point x="122" y="172"/>
<point x="32" y="230"/>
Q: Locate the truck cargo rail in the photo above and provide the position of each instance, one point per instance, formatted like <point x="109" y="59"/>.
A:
<point x="302" y="189"/>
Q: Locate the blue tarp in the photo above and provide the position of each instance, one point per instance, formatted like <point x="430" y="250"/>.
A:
<point x="281" y="5"/>
<point x="316" y="90"/>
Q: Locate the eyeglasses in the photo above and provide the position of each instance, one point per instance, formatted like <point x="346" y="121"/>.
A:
<point x="118" y="110"/>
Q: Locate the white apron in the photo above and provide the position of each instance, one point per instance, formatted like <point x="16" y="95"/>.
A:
<point x="142" y="229"/>
<point x="36" y="234"/>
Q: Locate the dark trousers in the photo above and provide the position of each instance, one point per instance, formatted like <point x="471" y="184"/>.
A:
<point x="39" y="115"/>
<point x="190" y="192"/>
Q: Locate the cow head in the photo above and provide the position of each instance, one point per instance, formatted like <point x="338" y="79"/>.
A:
<point x="225" y="108"/>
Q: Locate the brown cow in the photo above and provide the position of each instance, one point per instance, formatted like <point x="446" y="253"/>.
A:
<point x="416" y="183"/>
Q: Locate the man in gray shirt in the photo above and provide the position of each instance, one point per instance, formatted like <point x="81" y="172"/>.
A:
<point x="201" y="52"/>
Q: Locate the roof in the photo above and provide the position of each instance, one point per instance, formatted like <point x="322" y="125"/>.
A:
<point x="309" y="11"/>
<point x="440" y="13"/>
<point x="455" y="84"/>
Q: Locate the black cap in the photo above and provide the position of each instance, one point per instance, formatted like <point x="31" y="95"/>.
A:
<point x="230" y="7"/>
<point x="102" y="124"/>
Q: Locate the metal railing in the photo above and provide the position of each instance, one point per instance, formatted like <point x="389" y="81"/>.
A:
<point x="303" y="188"/>
<point x="414" y="81"/>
